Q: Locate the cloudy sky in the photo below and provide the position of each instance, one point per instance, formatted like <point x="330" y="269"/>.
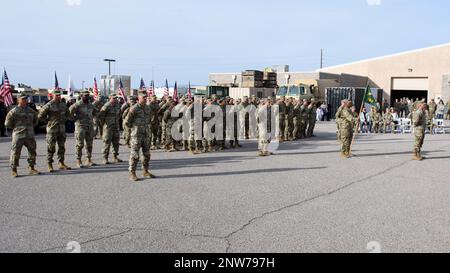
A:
<point x="185" y="40"/>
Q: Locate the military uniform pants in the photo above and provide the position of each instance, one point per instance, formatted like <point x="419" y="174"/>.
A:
<point x="289" y="127"/>
<point x="52" y="140"/>
<point x="154" y="129"/>
<point x="282" y="126"/>
<point x="127" y="135"/>
<point x="16" y="149"/>
<point x="111" y="137"/>
<point x="138" y="144"/>
<point x="84" y="136"/>
<point x="419" y="137"/>
<point x="311" y="126"/>
<point x="346" y="137"/>
<point x="2" y="127"/>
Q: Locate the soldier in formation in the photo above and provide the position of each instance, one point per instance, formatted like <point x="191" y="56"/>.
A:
<point x="55" y="114"/>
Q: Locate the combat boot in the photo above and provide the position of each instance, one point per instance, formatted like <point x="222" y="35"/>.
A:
<point x="192" y="151"/>
<point x="64" y="167"/>
<point x="211" y="149"/>
<point x="50" y="168"/>
<point x="117" y="160"/>
<point x="238" y="145"/>
<point x="232" y="145"/>
<point x="33" y="171"/>
<point x="79" y="164"/>
<point x="106" y="161"/>
<point x="133" y="177"/>
<point x="172" y="149"/>
<point x="417" y="156"/>
<point x="90" y="163"/>
<point x="261" y="153"/>
<point x="148" y="174"/>
<point x="14" y="173"/>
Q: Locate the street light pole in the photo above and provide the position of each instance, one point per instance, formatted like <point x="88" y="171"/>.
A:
<point x="109" y="73"/>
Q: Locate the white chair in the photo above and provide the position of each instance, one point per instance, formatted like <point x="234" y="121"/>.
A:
<point x="439" y="126"/>
<point x="407" y="126"/>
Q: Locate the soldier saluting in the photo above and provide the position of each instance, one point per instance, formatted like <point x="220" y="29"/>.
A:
<point x="83" y="113"/>
<point x="55" y="114"/>
<point x="22" y="120"/>
<point x="109" y="117"/>
<point x="420" y="123"/>
<point x="138" y="119"/>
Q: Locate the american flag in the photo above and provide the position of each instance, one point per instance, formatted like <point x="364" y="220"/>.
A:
<point x="6" y="90"/>
<point x="122" y="91"/>
<point x="142" y="87"/>
<point x="189" y="92"/>
<point x="166" y="89"/>
<point x="175" y="93"/>
<point x="96" y="93"/>
<point x="151" y="89"/>
<point x="56" y="82"/>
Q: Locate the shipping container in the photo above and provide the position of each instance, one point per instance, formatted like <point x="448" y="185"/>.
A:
<point x="218" y="91"/>
<point x="335" y="95"/>
<point x="241" y="92"/>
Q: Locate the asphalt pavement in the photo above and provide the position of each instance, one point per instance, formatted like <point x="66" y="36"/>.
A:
<point x="306" y="198"/>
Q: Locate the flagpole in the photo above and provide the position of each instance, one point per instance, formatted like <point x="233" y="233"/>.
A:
<point x="359" y="120"/>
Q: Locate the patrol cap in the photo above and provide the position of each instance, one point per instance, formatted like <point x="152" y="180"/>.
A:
<point x="142" y="94"/>
<point x="112" y="96"/>
<point x="22" y="97"/>
<point x="56" y="93"/>
<point x="85" y="93"/>
<point x="133" y="98"/>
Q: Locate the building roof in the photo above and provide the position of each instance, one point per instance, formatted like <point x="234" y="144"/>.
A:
<point x="385" y="57"/>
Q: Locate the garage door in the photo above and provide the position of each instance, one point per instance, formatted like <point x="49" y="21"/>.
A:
<point x="410" y="84"/>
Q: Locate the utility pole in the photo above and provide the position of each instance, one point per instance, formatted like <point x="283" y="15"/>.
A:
<point x="321" y="58"/>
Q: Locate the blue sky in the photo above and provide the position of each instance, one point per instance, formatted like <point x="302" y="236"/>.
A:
<point x="185" y="40"/>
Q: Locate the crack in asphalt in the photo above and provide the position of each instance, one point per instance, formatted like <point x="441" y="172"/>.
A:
<point x="227" y="238"/>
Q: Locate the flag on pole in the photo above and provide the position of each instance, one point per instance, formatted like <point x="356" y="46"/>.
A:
<point x="189" y="92"/>
<point x="151" y="89"/>
<point x="70" y="89"/>
<point x="369" y="99"/>
<point x="56" y="82"/>
<point x="175" y="93"/>
<point x="6" y="90"/>
<point x="122" y="91"/>
<point x="96" y="92"/>
<point x="142" y="87"/>
<point x="166" y="89"/>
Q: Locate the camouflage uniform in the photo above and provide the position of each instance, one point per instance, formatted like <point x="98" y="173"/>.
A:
<point x="346" y="126"/>
<point x="125" y="110"/>
<point x="282" y="119"/>
<point x="296" y="121"/>
<point x="388" y="120"/>
<point x="312" y="118"/>
<point x="55" y="114"/>
<point x="98" y="128"/>
<point x="109" y="116"/>
<point x="83" y="115"/>
<point x="375" y="119"/>
<point x="154" y="124"/>
<point x="289" y="127"/>
<point x="419" y="123"/>
<point x="138" y="120"/>
<point x="208" y="136"/>
<point x="22" y="121"/>
<point x="304" y="113"/>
